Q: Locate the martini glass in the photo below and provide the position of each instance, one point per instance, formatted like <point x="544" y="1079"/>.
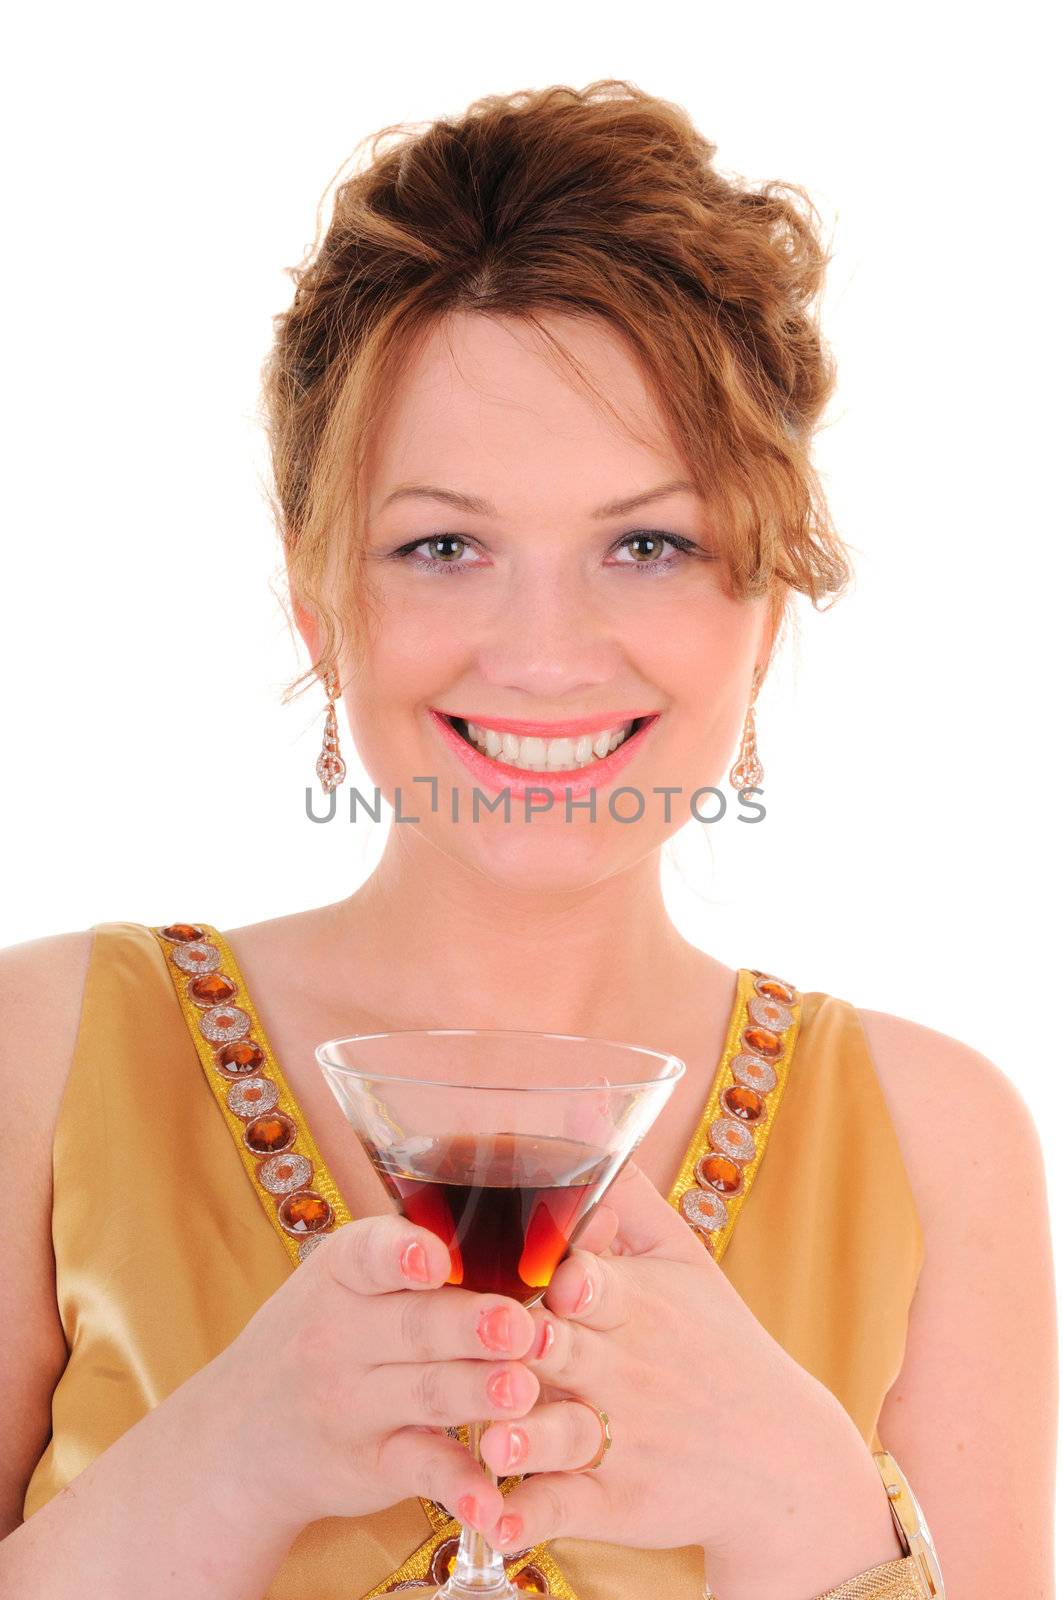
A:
<point x="502" y="1143"/>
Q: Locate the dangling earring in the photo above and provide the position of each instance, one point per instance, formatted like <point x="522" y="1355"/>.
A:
<point x="331" y="767"/>
<point x="748" y="772"/>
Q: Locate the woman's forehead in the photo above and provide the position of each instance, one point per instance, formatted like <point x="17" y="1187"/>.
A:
<point x="484" y="405"/>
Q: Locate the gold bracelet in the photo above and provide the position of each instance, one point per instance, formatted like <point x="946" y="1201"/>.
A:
<point x="910" y="1523"/>
<point x="890" y="1580"/>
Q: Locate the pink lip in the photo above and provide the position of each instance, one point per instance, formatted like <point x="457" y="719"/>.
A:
<point x="576" y="781"/>
<point x="551" y="730"/>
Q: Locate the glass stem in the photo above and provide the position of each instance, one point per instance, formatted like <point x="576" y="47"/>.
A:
<point x="478" y="1569"/>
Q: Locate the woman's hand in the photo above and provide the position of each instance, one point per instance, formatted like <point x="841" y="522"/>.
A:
<point x="719" y="1437"/>
<point x="332" y="1396"/>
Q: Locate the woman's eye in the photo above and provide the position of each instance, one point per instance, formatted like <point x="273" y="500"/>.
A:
<point x="441" y="555"/>
<point x="647" y="549"/>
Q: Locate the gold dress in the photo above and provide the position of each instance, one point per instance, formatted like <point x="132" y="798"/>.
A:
<point x="187" y="1185"/>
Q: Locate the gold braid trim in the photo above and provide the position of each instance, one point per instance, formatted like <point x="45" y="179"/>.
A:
<point x="304" y="1145"/>
<point x="699" y="1143"/>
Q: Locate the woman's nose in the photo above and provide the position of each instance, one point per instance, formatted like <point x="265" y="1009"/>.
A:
<point x="547" y="641"/>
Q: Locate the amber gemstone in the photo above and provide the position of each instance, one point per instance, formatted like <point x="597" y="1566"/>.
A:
<point x="211" y="989"/>
<point x="269" y="1133"/>
<point x="443" y="1560"/>
<point x="743" y="1102"/>
<point x="243" y="1055"/>
<point x="775" y="989"/>
<point x="304" y="1212"/>
<point x="716" y="1172"/>
<point x="182" y="932"/>
<point x="532" y="1580"/>
<point x="763" y="1042"/>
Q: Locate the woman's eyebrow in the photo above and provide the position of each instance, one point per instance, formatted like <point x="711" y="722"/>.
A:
<point x="482" y="508"/>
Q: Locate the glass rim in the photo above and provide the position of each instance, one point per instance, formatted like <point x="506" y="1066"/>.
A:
<point x="676" y="1067"/>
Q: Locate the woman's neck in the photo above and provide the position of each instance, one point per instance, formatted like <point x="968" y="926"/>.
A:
<point x="425" y="929"/>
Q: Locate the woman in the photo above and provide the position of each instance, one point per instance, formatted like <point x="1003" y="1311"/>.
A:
<point x="538" y="348"/>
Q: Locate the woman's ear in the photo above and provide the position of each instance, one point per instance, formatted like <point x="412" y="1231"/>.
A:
<point x="309" y="627"/>
<point x="774" y="622"/>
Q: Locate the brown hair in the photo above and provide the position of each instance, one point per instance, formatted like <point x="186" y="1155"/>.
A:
<point x="601" y="201"/>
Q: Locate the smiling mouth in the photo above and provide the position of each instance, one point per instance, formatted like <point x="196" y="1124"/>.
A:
<point x="539" y="754"/>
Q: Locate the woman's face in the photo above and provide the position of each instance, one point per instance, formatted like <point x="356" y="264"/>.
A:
<point x="523" y="596"/>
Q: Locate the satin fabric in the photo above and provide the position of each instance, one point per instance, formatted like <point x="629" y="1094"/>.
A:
<point x="163" y="1253"/>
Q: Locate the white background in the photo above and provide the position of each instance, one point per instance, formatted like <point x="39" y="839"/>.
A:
<point x="163" y="166"/>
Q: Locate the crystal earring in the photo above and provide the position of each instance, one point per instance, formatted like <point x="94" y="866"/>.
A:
<point x="748" y="771"/>
<point x="331" y="767"/>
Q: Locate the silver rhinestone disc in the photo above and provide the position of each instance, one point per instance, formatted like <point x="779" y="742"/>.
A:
<point x="283" y="1173"/>
<point x="754" y="1073"/>
<point x="730" y="1138"/>
<point x="703" y="1209"/>
<point x="222" y="1024"/>
<point x="309" y="1245"/>
<point x="196" y="956"/>
<point x="762" y="978"/>
<point x="770" y="1014"/>
<point x="252" y="1097"/>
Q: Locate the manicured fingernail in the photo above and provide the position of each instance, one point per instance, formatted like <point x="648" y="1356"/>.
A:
<point x="586" y="1295"/>
<point x="546" y="1341"/>
<point x="508" y="1530"/>
<point x="414" y="1262"/>
<point x="500" y="1388"/>
<point x="518" y="1446"/>
<point x="493" y="1329"/>
<point x="468" y="1510"/>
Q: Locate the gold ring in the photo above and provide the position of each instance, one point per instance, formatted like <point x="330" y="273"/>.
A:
<point x="607" y="1437"/>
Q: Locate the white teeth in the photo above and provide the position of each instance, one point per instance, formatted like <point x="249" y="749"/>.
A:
<point x="547" y="755"/>
<point x="532" y="754"/>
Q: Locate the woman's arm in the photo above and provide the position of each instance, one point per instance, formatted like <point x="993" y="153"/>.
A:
<point x="107" y="1532"/>
<point x="972" y="1416"/>
<point x="41" y="985"/>
<point x="158" y="1516"/>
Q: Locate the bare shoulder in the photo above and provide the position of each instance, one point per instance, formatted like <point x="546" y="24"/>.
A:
<point x="310" y="932"/>
<point x="943" y="1096"/>
<point x="974" y="1433"/>
<point x="41" y="987"/>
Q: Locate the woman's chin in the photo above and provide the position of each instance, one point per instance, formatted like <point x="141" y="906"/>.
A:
<point x="543" y="860"/>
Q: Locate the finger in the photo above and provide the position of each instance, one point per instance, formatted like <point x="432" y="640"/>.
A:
<point x="374" y="1255"/>
<point x="597" y="1233"/>
<point x="564" y="1436"/>
<point x="421" y="1462"/>
<point x="447" y="1324"/>
<point x="549" y="1506"/>
<point x="566" y="1356"/>
<point x="590" y="1290"/>
<point x="444" y="1394"/>
<point x="648" y="1225"/>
